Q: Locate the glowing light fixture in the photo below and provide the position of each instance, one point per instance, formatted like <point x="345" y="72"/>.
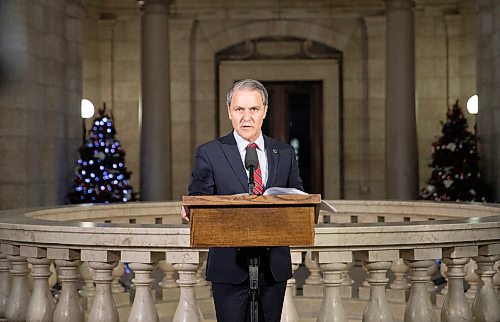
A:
<point x="472" y="104"/>
<point x="88" y="109"/>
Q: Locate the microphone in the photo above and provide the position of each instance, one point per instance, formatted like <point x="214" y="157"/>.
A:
<point x="251" y="163"/>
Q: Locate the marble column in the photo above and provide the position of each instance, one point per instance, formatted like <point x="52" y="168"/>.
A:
<point x="20" y="291"/>
<point x="400" y="123"/>
<point x="155" y="169"/>
<point x="455" y="306"/>
<point x="41" y="306"/>
<point x="69" y="307"/>
<point x="4" y="284"/>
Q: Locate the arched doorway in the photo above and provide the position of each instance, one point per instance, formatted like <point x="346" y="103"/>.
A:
<point x="322" y="78"/>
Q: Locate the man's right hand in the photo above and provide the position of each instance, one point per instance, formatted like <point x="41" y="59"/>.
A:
<point x="184" y="213"/>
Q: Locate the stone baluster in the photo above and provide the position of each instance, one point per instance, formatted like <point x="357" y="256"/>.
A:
<point x="186" y="264"/>
<point x="377" y="308"/>
<point x="314" y="277"/>
<point x="69" y="307"/>
<point x="289" y="312"/>
<point x="364" y="289"/>
<point x="54" y="277"/>
<point x="4" y="284"/>
<point x="87" y="292"/>
<point x="117" y="273"/>
<point x="169" y="275"/>
<point x="346" y="277"/>
<point x="472" y="279"/>
<point x="496" y="279"/>
<point x="169" y="289"/>
<point x="399" y="269"/>
<point x="102" y="263"/>
<point x="485" y="307"/>
<point x="455" y="306"/>
<point x="202" y="288"/>
<point x="20" y="292"/>
<point x="444" y="271"/>
<point x="143" y="308"/>
<point x="421" y="263"/>
<point x="398" y="289"/>
<point x="103" y="307"/>
<point x="347" y="285"/>
<point x="419" y="307"/>
<point x="332" y="264"/>
<point x="431" y="271"/>
<point x="312" y="285"/>
<point x="200" y="273"/>
<point x="41" y="306"/>
<point x="87" y="275"/>
<point x="120" y="296"/>
<point x="142" y="263"/>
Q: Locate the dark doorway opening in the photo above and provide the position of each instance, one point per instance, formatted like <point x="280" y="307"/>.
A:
<point x="295" y="116"/>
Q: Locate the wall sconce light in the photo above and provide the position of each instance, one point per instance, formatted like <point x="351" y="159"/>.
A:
<point x="472" y="105"/>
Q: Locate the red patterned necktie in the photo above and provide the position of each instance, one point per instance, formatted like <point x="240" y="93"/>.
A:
<point x="257" y="176"/>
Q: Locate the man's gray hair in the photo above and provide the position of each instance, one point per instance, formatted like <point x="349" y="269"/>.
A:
<point x="249" y="84"/>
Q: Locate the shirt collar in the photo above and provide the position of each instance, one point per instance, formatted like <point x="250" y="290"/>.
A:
<point x="243" y="143"/>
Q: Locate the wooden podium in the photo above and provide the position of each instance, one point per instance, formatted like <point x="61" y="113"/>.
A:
<point x="249" y="221"/>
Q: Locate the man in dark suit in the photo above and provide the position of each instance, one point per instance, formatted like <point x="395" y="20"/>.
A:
<point x="219" y="170"/>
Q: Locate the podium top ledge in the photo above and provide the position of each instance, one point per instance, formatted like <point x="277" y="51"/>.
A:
<point x="250" y="200"/>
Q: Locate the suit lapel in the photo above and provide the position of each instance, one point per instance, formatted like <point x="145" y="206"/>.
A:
<point x="273" y="158"/>
<point x="230" y="149"/>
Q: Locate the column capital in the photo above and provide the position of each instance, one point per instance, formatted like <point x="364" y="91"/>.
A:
<point x="154" y="6"/>
<point x="399" y="4"/>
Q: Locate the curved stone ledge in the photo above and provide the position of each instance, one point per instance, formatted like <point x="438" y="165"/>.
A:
<point x="84" y="226"/>
<point x="376" y="235"/>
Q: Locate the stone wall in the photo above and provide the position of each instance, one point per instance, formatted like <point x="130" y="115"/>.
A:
<point x="198" y="32"/>
<point x="40" y="92"/>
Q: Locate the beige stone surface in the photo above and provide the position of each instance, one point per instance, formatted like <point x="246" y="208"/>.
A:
<point x="51" y="51"/>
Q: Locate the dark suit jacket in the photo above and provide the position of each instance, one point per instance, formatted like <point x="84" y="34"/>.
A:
<point x="218" y="170"/>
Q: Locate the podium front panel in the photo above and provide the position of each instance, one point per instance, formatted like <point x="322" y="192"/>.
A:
<point x="248" y="221"/>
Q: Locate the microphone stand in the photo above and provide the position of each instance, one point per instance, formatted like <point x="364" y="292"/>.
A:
<point x="253" y="263"/>
<point x="251" y="180"/>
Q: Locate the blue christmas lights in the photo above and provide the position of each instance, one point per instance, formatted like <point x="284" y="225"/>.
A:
<point x="98" y="174"/>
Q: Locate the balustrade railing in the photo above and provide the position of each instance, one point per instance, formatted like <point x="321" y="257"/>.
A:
<point x="397" y="243"/>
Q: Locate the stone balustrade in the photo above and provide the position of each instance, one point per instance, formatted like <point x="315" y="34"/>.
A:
<point x="390" y="240"/>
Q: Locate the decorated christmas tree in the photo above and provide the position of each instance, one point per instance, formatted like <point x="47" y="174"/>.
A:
<point x="455" y="163"/>
<point x="100" y="173"/>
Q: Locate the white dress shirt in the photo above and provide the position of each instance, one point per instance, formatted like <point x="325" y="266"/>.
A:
<point x="261" y="153"/>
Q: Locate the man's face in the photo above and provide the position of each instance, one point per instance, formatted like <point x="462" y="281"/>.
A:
<point x="247" y="113"/>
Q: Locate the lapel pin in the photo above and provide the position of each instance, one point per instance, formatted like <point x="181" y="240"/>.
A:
<point x="275" y="151"/>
